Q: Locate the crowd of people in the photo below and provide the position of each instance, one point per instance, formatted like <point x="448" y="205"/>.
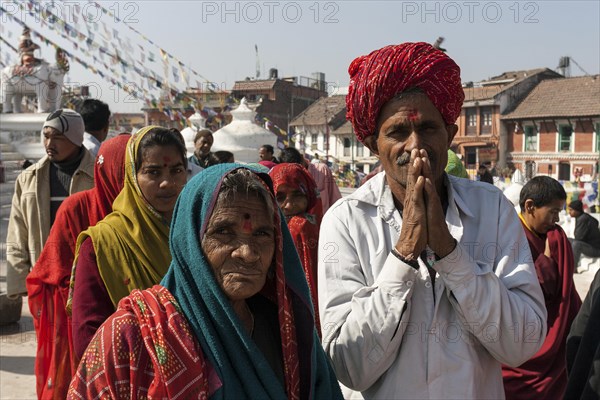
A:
<point x="151" y="274"/>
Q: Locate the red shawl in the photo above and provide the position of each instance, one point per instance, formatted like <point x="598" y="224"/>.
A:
<point x="544" y="376"/>
<point x="48" y="282"/>
<point x="161" y="357"/>
<point x="304" y="228"/>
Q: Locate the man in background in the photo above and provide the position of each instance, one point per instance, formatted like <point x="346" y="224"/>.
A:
<point x="544" y="376"/>
<point x="203" y="142"/>
<point x="587" y="234"/>
<point x="67" y="168"/>
<point x="96" y="117"/>
<point x="484" y="174"/>
<point x="266" y="153"/>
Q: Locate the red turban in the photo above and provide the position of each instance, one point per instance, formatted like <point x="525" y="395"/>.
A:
<point x="378" y="77"/>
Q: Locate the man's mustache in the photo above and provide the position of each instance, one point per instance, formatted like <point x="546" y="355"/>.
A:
<point x="405" y="159"/>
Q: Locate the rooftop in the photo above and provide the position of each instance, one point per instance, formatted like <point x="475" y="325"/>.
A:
<point x="567" y="97"/>
<point x="332" y="108"/>
<point x="487" y="89"/>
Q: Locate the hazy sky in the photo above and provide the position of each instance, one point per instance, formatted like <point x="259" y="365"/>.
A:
<point x="217" y="39"/>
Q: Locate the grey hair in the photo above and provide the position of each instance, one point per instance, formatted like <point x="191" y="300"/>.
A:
<point x="407" y="93"/>
<point x="240" y="184"/>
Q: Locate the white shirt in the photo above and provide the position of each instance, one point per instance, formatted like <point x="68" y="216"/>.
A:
<point x="91" y="143"/>
<point x="389" y="335"/>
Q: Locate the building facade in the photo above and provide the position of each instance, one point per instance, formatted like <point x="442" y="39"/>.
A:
<point x="281" y="100"/>
<point x="555" y="130"/>
<point x="323" y="131"/>
<point x="481" y="136"/>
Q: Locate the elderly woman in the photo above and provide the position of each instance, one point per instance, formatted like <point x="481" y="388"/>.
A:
<point x="232" y="318"/>
<point x="129" y="248"/>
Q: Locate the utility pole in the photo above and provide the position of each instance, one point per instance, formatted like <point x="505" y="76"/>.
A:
<point x="352" y="147"/>
<point x="257" y="62"/>
<point x="326" y="135"/>
<point x="290" y="116"/>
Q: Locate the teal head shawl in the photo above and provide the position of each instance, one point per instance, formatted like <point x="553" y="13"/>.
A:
<point x="240" y="365"/>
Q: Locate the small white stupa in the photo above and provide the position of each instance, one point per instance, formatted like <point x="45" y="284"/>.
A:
<point x="243" y="137"/>
<point x="189" y="133"/>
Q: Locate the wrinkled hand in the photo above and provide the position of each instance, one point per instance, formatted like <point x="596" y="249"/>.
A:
<point x="423" y="220"/>
<point x="413" y="236"/>
<point x="439" y="238"/>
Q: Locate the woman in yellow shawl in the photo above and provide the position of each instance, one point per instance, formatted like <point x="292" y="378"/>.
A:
<point x="129" y="249"/>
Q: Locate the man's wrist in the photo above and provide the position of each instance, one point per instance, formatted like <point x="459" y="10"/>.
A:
<point x="413" y="263"/>
<point x="446" y="250"/>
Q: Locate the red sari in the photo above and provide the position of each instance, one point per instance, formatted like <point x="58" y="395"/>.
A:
<point x="303" y="227"/>
<point x="544" y="376"/>
<point x="48" y="281"/>
<point x="148" y="351"/>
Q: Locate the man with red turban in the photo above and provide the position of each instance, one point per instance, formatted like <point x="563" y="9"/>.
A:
<point x="426" y="284"/>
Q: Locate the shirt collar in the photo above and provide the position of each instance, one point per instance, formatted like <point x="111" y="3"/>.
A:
<point x="377" y="192"/>
<point x="91" y="138"/>
<point x="456" y="195"/>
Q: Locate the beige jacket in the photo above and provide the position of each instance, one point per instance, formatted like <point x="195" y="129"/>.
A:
<point x="29" y="222"/>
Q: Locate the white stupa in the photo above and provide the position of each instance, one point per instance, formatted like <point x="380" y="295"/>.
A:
<point x="189" y="133"/>
<point x="243" y="137"/>
<point x="24" y="132"/>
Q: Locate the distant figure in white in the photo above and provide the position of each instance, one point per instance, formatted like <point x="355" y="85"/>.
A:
<point x="33" y="77"/>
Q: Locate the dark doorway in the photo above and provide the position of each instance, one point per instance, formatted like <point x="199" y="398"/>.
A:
<point x="564" y="171"/>
<point x="471" y="157"/>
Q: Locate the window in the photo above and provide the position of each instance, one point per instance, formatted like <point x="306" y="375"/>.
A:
<point x="531" y="138"/>
<point x="486" y="116"/>
<point x="471" y="157"/>
<point x="313" y="141"/>
<point x="564" y="171"/>
<point x="471" y="118"/>
<point x="564" y="137"/>
<point x="347" y="147"/>
<point x="530" y="169"/>
<point x="360" y="150"/>
<point x="597" y="137"/>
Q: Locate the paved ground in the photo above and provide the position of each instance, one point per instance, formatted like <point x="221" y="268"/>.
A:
<point x="18" y="342"/>
<point x="17" y="354"/>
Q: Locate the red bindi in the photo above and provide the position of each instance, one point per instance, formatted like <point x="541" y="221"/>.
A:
<point x="413" y="115"/>
<point x="247" y="226"/>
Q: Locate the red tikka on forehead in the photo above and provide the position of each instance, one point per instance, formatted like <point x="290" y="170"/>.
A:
<point x="413" y="115"/>
<point x="247" y="226"/>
